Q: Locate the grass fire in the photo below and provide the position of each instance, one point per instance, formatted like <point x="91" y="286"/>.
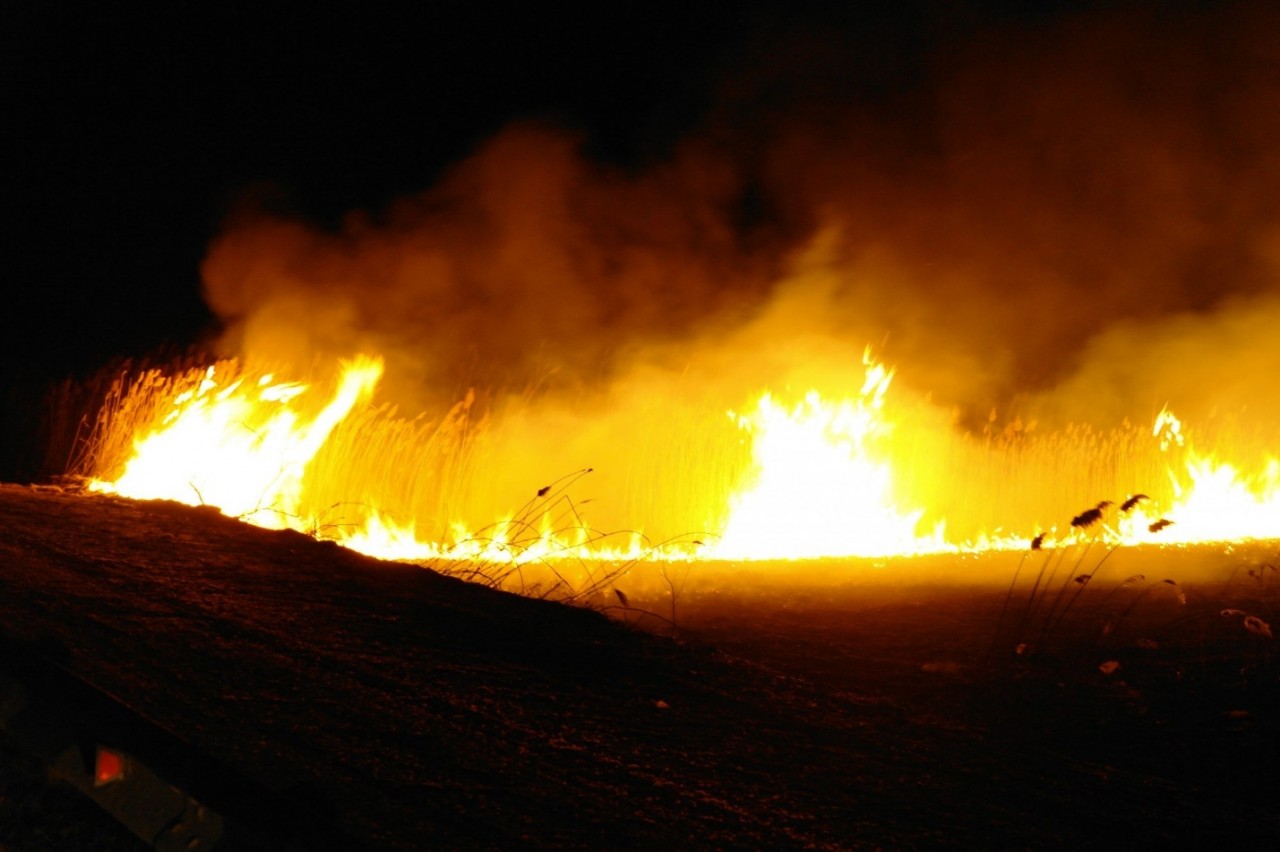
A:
<point x="806" y="425"/>
<point x="865" y="474"/>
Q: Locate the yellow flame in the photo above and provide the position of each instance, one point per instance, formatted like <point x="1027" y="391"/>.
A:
<point x="1212" y="500"/>
<point x="822" y="484"/>
<point x="243" y="447"/>
<point x="1168" y="429"/>
<point x="828" y="476"/>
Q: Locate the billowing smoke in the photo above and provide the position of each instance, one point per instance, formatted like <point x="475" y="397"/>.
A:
<point x="527" y="266"/>
<point x="1071" y="218"/>
<point x="1043" y="185"/>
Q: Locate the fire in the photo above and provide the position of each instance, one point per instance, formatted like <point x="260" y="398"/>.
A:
<point x="507" y="542"/>
<point x="248" y="447"/>
<point x="823" y="484"/>
<point x="828" y="475"/>
<point x="243" y="446"/>
<point x="1212" y="499"/>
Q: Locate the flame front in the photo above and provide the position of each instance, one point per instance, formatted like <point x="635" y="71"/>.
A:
<point x="243" y="447"/>
<point x="822" y="482"/>
<point x="1212" y="499"/>
<point x="826" y="476"/>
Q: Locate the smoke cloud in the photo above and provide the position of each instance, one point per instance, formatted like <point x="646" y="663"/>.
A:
<point x="1072" y="218"/>
<point x="526" y="266"/>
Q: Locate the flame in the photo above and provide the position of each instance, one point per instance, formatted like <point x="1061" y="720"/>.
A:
<point x="1212" y="499"/>
<point x="247" y="447"/>
<point x="822" y="484"/>
<point x="828" y="476"/>
<point x="508" y="542"/>
<point x="243" y="446"/>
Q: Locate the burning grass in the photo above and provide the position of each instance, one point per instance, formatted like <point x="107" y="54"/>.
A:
<point x="865" y="474"/>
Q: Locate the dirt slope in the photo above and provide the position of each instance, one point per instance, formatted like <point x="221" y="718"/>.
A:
<point x="415" y="710"/>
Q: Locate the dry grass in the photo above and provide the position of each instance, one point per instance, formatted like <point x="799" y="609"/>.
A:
<point x="669" y="465"/>
<point x="567" y="573"/>
<point x="1181" y="649"/>
<point x="1063" y="577"/>
<point x="89" y="424"/>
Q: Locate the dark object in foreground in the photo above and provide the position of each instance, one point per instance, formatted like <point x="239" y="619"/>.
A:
<point x="148" y="778"/>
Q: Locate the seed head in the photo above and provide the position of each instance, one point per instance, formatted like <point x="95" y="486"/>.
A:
<point x="1088" y="517"/>
<point x="1132" y="501"/>
<point x="1257" y="626"/>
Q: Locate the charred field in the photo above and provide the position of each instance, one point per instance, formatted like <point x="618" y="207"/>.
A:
<point x="901" y="704"/>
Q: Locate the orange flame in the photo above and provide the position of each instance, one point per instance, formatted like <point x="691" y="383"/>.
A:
<point x="1212" y="500"/>
<point x="243" y="447"/>
<point x="828" y="477"/>
<point x="823" y="483"/>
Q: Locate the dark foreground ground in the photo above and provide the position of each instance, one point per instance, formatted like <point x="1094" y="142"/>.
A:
<point x="411" y="710"/>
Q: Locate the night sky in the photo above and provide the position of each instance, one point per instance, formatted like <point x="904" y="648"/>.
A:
<point x="134" y="137"/>
<point x="131" y="133"/>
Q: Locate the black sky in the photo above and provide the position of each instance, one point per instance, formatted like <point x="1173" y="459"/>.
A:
<point x="131" y="132"/>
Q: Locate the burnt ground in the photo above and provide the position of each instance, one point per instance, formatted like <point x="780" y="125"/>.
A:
<point x="405" y="709"/>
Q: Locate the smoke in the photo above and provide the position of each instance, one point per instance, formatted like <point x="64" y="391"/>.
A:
<point x="528" y="266"/>
<point x="1042" y="185"/>
<point x="1073" y="217"/>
